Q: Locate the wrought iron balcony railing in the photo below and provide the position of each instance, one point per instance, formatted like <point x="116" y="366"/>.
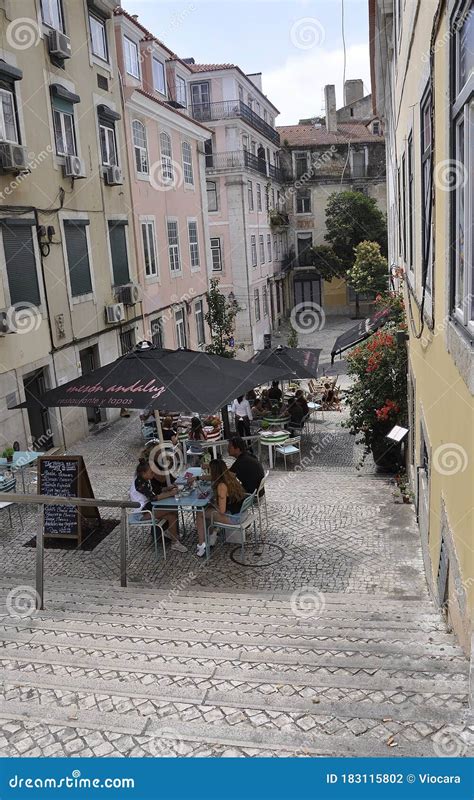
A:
<point x="239" y="160"/>
<point x="230" y="109"/>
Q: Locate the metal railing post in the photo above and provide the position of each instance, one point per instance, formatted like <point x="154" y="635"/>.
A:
<point x="123" y="548"/>
<point x="40" y="559"/>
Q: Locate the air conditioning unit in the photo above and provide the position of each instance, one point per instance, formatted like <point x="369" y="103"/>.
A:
<point x="59" y="45"/>
<point x="13" y="157"/>
<point x="113" y="176"/>
<point x="115" y="312"/>
<point x="74" y="167"/>
<point x="129" y="294"/>
<point x="6" y="323"/>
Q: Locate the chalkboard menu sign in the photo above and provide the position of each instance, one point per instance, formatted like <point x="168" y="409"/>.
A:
<point x="65" y="476"/>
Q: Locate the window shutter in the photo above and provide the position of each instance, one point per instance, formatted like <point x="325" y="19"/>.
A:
<point x="21" y="262"/>
<point x="78" y="257"/>
<point x="118" y="249"/>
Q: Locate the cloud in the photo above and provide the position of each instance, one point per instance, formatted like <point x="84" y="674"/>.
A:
<point x="296" y="88"/>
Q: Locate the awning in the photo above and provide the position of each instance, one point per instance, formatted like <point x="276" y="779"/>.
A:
<point x="359" y="332"/>
<point x="107" y="113"/>
<point x="9" y="72"/>
<point x="59" y="91"/>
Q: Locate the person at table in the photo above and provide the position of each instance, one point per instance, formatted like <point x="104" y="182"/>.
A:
<point x="275" y="393"/>
<point x="246" y="466"/>
<point x="262" y="406"/>
<point x="251" y="396"/>
<point x="228" y="496"/>
<point x="148" y="486"/>
<point x="296" y="414"/>
<point x="197" y="432"/>
<point x="301" y="399"/>
<point x="169" y="433"/>
<point x="242" y="414"/>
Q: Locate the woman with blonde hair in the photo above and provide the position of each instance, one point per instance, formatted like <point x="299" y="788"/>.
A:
<point x="229" y="495"/>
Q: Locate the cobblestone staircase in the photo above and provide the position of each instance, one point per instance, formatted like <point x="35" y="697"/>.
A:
<point x="138" y="672"/>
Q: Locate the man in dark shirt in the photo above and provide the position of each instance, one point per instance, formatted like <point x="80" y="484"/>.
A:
<point x="275" y="392"/>
<point x="296" y="414"/>
<point x="246" y="467"/>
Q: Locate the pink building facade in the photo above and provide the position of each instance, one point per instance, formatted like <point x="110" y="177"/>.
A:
<point x="167" y="171"/>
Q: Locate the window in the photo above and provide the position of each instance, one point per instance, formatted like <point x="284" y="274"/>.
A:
<point x="265" y="301"/>
<point x="200" y="100"/>
<point x="167" y="170"/>
<point x="261" y="242"/>
<point x="273" y="197"/>
<point x="149" y="248"/>
<point x="269" y="247"/>
<point x="257" y="108"/>
<point x="410" y="208"/>
<point x="78" y="257"/>
<point x="8" y="126"/>
<point x="301" y="164"/>
<point x="193" y="244"/>
<point x="211" y="195"/>
<point x="265" y="115"/>
<point x="181" y="91"/>
<point x="253" y="250"/>
<point x="98" y="37"/>
<point x="400" y="217"/>
<point x="256" y="301"/>
<point x="180" y="321"/>
<point x="267" y="198"/>
<point x="209" y="157"/>
<point x="250" y="101"/>
<point x="63" y="122"/>
<point x="259" y="197"/>
<point x="159" y="79"/>
<point x="158" y="333"/>
<point x="241" y="94"/>
<point x="108" y="144"/>
<point x="276" y="247"/>
<point x="118" y="251"/>
<point x="20" y="262"/>
<point x="199" y="316"/>
<point x="187" y="163"/>
<point x="216" y="253"/>
<point x="140" y="147"/>
<point x="132" y="63"/>
<point x="127" y="341"/>
<point x="245" y="142"/>
<point x="250" y="194"/>
<point x="52" y="14"/>
<point x="358" y="163"/>
<point x="426" y="182"/>
<point x="404" y="210"/>
<point x="461" y="195"/>
<point x="278" y="298"/>
<point x="173" y="246"/>
<point x="303" y="201"/>
<point x="376" y="128"/>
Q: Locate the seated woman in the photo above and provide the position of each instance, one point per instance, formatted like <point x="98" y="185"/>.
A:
<point x="251" y="396"/>
<point x="301" y="399"/>
<point x="197" y="432"/>
<point x="149" y="485"/>
<point x="169" y="433"/>
<point x="229" y="495"/>
<point x="262" y="406"/>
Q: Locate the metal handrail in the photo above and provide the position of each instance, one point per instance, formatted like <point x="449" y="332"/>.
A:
<point x="229" y="109"/>
<point x="43" y="500"/>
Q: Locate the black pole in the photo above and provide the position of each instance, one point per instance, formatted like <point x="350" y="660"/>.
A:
<point x="225" y="422"/>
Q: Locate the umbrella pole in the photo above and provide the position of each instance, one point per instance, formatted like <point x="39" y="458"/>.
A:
<point x="159" y="431"/>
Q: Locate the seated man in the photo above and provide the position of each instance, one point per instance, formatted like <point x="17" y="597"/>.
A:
<point x="300" y="398"/>
<point x="246" y="466"/>
<point x="296" y="414"/>
<point x="148" y="486"/>
<point x="275" y="393"/>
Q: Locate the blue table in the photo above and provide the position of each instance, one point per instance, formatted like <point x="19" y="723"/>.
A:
<point x="21" y="460"/>
<point x="188" y="501"/>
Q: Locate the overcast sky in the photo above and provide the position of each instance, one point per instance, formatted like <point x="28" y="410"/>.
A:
<point x="296" y="44"/>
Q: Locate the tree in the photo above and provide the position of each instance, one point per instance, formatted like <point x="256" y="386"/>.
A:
<point x="327" y="262"/>
<point x="351" y="218"/>
<point x="369" y="272"/>
<point x="220" y="317"/>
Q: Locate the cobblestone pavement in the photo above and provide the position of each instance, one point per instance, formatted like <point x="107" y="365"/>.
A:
<point x="324" y="644"/>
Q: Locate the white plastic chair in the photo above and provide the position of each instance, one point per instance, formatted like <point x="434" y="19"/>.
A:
<point x="289" y="448"/>
<point x="246" y="521"/>
<point x="141" y="518"/>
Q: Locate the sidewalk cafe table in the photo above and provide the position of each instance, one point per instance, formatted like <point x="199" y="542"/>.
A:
<point x="21" y="460"/>
<point x="276" y="422"/>
<point x="188" y="501"/>
<point x="271" y="439"/>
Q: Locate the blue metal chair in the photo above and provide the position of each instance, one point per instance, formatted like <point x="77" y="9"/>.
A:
<point x="246" y="520"/>
<point x="8" y="484"/>
<point x="141" y="518"/>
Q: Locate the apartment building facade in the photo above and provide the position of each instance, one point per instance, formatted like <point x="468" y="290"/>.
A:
<point x="67" y="247"/>
<point x="167" y="173"/>
<point x="423" y="83"/>
<point x="319" y="156"/>
<point x="244" y="187"/>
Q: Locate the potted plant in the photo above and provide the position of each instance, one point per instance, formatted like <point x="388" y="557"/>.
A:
<point x="8" y="453"/>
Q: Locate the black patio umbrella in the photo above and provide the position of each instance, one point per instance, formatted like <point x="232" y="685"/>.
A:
<point x="285" y="359"/>
<point x="161" y="379"/>
<point x="362" y="330"/>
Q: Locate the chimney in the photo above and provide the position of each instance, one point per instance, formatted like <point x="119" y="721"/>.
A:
<point x="256" y="78"/>
<point x="353" y="91"/>
<point x="330" y="103"/>
<point x="189" y="60"/>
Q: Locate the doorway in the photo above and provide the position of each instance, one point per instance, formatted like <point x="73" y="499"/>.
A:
<point x="89" y="358"/>
<point x="307" y="290"/>
<point x="36" y="384"/>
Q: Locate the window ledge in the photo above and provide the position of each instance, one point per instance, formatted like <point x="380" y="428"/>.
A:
<point x="82" y="298"/>
<point x="140" y="176"/>
<point x="152" y="279"/>
<point x="178" y="273"/>
<point x="99" y="62"/>
<point x="196" y="269"/>
<point x="460" y="346"/>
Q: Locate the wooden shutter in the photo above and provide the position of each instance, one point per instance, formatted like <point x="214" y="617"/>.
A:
<point x="78" y="257"/>
<point x="118" y="249"/>
<point x="21" y="262"/>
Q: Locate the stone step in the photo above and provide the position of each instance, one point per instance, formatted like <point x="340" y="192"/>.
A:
<point x="274" y="654"/>
<point x="160" y="738"/>
<point x="376" y="688"/>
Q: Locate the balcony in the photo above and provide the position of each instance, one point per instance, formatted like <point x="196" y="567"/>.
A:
<point x="232" y="109"/>
<point x="238" y="160"/>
